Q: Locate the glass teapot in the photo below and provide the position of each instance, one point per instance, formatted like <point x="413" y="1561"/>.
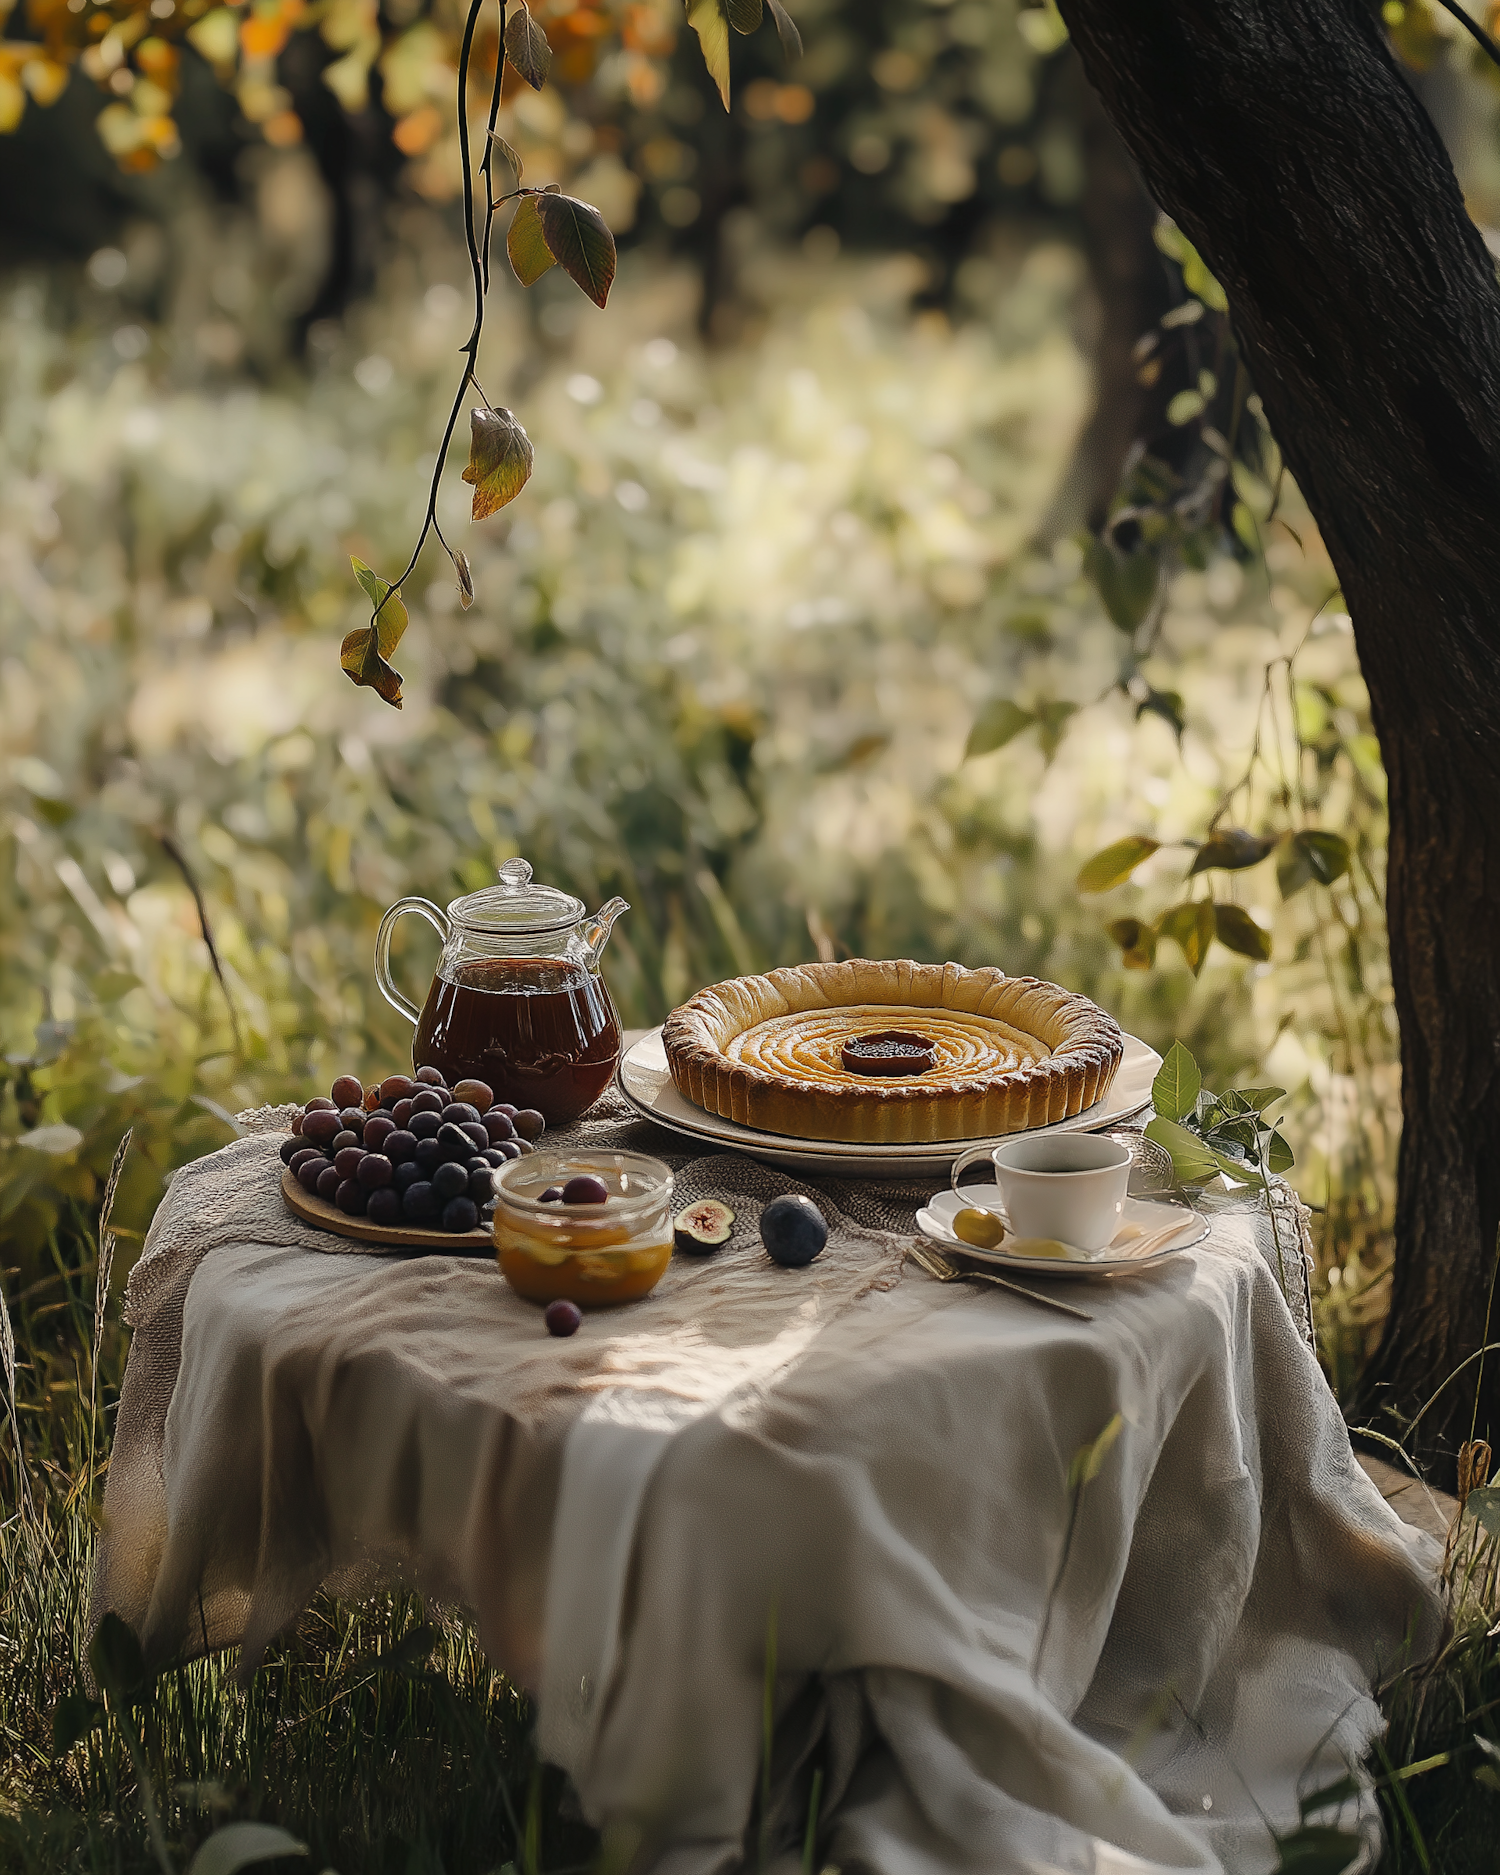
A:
<point x="517" y="1001"/>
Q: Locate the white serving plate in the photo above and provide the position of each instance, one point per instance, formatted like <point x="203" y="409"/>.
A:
<point x="646" y="1082"/>
<point x="1139" y="1221"/>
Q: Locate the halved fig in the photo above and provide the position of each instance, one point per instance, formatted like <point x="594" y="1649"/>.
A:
<point x="702" y="1228"/>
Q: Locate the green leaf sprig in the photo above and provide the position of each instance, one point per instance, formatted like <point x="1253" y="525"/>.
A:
<point x="1303" y="857"/>
<point x="1209" y="1134"/>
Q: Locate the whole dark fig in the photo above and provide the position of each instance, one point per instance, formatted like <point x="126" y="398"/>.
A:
<point x="793" y="1231"/>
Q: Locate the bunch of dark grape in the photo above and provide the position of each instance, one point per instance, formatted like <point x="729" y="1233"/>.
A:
<point x="408" y="1150"/>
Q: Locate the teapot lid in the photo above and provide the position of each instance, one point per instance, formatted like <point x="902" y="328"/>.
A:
<point x="516" y="905"/>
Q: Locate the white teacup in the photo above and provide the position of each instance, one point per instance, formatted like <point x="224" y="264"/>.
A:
<point x="1069" y="1186"/>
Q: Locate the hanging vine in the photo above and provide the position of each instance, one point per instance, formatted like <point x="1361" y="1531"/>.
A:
<point x="547" y="229"/>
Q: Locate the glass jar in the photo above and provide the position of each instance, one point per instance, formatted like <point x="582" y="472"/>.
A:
<point x="593" y="1254"/>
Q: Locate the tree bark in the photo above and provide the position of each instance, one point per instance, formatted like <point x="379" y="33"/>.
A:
<point x="1292" y="153"/>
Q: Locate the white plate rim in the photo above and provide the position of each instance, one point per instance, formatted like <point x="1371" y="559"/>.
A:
<point x="928" y="1218"/>
<point x="914" y="1156"/>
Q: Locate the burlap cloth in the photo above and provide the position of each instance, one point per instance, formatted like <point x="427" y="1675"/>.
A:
<point x="995" y="1671"/>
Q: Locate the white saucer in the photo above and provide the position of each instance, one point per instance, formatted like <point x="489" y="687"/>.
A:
<point x="646" y="1082"/>
<point x="1141" y="1218"/>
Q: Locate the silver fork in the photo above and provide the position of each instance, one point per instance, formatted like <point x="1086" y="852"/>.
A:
<point x="928" y="1257"/>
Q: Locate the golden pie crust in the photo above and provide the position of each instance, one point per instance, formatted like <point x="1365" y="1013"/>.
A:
<point x="1011" y="1052"/>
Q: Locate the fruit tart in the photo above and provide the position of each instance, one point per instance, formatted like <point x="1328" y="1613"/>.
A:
<point x="891" y="1053"/>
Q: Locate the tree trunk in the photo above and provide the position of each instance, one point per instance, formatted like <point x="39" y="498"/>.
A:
<point x="1295" y="157"/>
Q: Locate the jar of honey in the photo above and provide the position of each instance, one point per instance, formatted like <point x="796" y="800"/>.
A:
<point x="593" y="1253"/>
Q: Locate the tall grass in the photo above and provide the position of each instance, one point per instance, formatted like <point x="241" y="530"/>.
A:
<point x="1439" y="1764"/>
<point x="376" y="1733"/>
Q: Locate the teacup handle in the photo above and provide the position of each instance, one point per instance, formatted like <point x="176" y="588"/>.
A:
<point x="424" y="908"/>
<point x="967" y="1158"/>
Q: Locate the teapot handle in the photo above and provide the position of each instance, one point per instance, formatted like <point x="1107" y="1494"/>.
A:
<point x="424" y="909"/>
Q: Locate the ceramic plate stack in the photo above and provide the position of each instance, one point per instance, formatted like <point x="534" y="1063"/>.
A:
<point x="646" y="1082"/>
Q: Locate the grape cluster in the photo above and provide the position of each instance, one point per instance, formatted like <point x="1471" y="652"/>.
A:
<point x="408" y="1150"/>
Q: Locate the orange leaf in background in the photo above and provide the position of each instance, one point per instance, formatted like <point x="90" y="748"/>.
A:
<point x="794" y="103"/>
<point x="158" y="60"/>
<point x="269" y="27"/>
<point x="644" y="80"/>
<point x="416" y="133"/>
<point x="645" y="29"/>
<point x="262" y="38"/>
<point x="581" y="23"/>
<point x="282" y="130"/>
<point x="160" y="135"/>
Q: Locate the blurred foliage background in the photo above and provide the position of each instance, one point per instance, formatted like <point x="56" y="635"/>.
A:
<point x="903" y="532"/>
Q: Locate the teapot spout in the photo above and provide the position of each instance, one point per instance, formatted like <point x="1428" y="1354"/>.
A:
<point x="595" y="931"/>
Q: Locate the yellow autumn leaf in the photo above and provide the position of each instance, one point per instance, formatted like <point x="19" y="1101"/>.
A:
<point x="348" y="78"/>
<point x="708" y="21"/>
<point x="46" y="79"/>
<point x="216" y="36"/>
<point x="12" y="103"/>
<point x="500" y="455"/>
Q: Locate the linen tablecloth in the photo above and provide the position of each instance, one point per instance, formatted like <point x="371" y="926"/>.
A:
<point x="994" y="1669"/>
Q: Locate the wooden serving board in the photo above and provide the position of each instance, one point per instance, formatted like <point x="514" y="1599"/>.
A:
<point x="318" y="1211"/>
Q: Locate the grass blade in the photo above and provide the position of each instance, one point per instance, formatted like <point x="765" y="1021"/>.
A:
<point x="8" y="1360"/>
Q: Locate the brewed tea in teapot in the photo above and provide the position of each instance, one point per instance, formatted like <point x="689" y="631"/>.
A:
<point x="517" y="1000"/>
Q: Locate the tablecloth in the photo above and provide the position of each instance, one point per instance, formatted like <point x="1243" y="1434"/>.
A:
<point x="993" y="1669"/>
